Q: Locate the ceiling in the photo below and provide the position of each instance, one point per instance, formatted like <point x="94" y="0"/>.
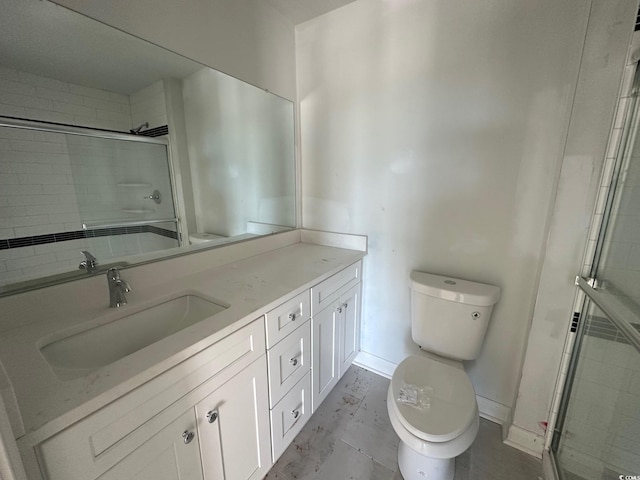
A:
<point x="52" y="41"/>
<point x="298" y="11"/>
<point x="48" y="40"/>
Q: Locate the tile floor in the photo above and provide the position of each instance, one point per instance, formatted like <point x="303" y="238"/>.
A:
<point x="350" y="437"/>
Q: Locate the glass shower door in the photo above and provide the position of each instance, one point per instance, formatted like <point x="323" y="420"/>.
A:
<point x="597" y="435"/>
<point x="124" y="195"/>
<point x="600" y="436"/>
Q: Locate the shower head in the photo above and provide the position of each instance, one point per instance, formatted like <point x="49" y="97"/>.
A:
<point x="136" y="131"/>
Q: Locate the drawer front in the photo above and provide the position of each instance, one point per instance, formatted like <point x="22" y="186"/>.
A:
<point x="328" y="292"/>
<point x="290" y="415"/>
<point x="288" y="362"/>
<point x="283" y="320"/>
<point x="104" y="438"/>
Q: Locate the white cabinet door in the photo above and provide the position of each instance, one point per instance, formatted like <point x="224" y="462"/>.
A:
<point x="349" y="326"/>
<point x="233" y="423"/>
<point x="325" y="366"/>
<point x="171" y="454"/>
<point x="289" y="416"/>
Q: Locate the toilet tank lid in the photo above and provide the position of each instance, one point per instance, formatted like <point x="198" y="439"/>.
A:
<point x="455" y="289"/>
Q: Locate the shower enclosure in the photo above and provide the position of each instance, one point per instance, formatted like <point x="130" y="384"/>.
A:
<point x="597" y="435"/>
<point x="66" y="190"/>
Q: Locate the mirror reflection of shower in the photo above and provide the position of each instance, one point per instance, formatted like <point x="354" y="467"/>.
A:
<point x="156" y="196"/>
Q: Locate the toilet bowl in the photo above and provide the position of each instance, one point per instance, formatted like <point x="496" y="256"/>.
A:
<point x="441" y="424"/>
<point x="431" y="401"/>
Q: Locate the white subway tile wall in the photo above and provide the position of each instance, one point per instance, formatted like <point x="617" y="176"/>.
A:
<point x="51" y="182"/>
<point x="26" y="95"/>
<point x="148" y="106"/>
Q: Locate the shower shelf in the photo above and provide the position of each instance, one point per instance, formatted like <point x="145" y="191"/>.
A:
<point x="133" y="185"/>
<point x="138" y="210"/>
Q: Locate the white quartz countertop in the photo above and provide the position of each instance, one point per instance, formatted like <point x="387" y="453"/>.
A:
<point x="250" y="287"/>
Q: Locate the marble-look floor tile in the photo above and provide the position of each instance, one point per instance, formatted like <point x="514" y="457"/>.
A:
<point x="370" y="430"/>
<point x="345" y="462"/>
<point x="317" y="440"/>
<point x="357" y="382"/>
<point x="350" y="437"/>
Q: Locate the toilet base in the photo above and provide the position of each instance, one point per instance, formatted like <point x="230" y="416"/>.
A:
<point x="414" y="466"/>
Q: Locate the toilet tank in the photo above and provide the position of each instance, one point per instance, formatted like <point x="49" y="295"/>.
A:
<point x="449" y="316"/>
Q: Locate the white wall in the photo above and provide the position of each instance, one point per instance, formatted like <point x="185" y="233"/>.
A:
<point x="240" y="144"/>
<point x="243" y="38"/>
<point x="437" y="128"/>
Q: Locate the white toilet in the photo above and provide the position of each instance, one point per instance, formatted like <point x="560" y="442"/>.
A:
<point x="431" y="402"/>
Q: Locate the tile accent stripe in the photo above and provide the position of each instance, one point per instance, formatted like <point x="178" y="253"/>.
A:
<point x="601" y="327"/>
<point x="79" y="234"/>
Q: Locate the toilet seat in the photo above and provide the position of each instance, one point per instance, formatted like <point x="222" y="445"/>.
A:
<point x="449" y="399"/>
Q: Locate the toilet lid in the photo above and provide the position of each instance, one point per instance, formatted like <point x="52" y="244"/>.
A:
<point x="445" y="405"/>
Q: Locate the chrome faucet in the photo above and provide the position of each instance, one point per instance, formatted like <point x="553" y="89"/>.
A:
<point x="117" y="288"/>
<point x="89" y="263"/>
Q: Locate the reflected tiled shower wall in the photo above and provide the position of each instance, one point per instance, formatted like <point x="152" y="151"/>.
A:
<point x="26" y="95"/>
<point x="40" y="174"/>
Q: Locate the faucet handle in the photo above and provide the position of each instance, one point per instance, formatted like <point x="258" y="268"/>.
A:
<point x="117" y="288"/>
<point x="89" y="263"/>
<point x="125" y="285"/>
<point x="113" y="274"/>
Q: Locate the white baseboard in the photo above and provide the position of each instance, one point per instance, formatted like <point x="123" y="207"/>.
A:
<point x="375" y="364"/>
<point x="549" y="467"/>
<point x="493" y="411"/>
<point x="524" y="440"/>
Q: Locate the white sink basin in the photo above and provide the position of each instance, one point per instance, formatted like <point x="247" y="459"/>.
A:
<point x="81" y="353"/>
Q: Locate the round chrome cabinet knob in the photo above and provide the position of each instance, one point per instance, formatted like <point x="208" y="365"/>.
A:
<point x="187" y="436"/>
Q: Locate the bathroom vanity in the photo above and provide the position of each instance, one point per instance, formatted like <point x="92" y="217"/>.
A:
<point x="220" y="396"/>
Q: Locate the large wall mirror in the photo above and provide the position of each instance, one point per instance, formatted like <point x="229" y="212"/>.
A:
<point x="114" y="146"/>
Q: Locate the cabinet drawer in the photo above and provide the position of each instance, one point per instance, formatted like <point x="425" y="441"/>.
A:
<point x="328" y="292"/>
<point x="102" y="439"/>
<point x="290" y="415"/>
<point x="283" y="320"/>
<point x="289" y="361"/>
